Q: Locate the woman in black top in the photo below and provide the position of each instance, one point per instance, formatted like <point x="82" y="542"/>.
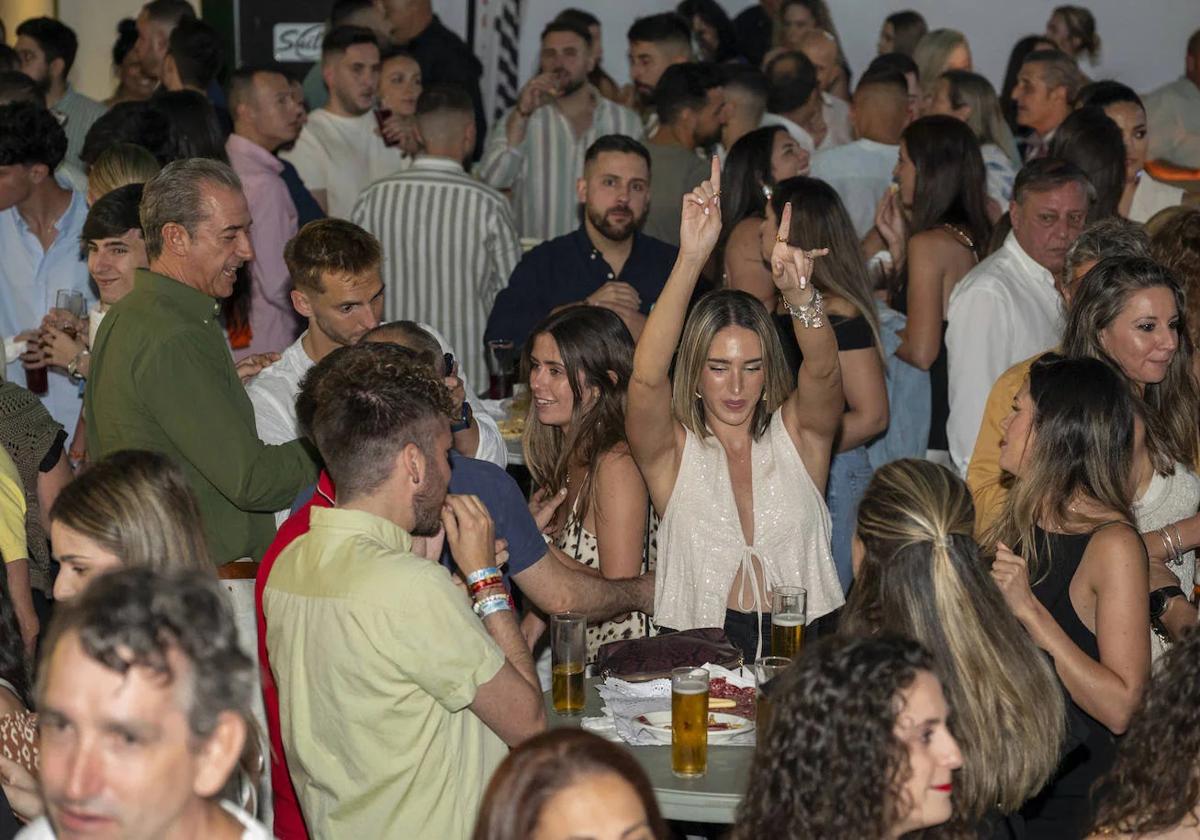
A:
<point x="818" y="217"/>
<point x="1076" y="576"/>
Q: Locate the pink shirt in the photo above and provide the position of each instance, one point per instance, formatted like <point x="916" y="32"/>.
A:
<point x="273" y="321"/>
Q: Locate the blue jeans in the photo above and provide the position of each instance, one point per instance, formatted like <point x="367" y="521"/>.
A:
<point x="848" y="476"/>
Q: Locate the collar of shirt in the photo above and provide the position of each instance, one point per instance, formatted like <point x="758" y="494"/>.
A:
<point x="436" y="163"/>
<point x="250" y="154"/>
<point x="76" y="207"/>
<point x="869" y="145"/>
<point x="374" y="527"/>
<point x="594" y="259"/>
<point x="1029" y="266"/>
<point x="193" y="302"/>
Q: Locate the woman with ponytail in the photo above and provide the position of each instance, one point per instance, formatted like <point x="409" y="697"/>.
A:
<point x="917" y="573"/>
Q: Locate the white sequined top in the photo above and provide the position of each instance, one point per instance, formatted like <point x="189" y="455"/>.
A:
<point x="1168" y="499"/>
<point x="700" y="543"/>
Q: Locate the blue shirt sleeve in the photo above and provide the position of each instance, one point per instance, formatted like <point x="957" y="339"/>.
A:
<point x="506" y="504"/>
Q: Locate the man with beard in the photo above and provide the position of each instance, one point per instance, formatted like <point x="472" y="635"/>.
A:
<point x="265" y="117"/>
<point x="536" y="152"/>
<point x="334" y="267"/>
<point x="690" y="103"/>
<point x="396" y="702"/>
<point x="161" y="376"/>
<point x="606" y="262"/>
<point x="656" y="42"/>
<point x="449" y="241"/>
<point x="46" y="48"/>
<point x="339" y="150"/>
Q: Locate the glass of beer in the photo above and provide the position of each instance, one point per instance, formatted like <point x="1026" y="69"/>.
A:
<point x="568" y="662"/>
<point x="765" y="670"/>
<point x="789" y="606"/>
<point x="689" y="722"/>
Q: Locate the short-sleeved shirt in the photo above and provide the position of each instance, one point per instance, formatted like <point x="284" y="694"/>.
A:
<point x="377" y="657"/>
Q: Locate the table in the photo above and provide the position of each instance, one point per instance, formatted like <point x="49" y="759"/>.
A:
<point x="713" y="798"/>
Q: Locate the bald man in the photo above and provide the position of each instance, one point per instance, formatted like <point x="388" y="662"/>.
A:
<point x="861" y="171"/>
<point x="449" y="242"/>
<point x="822" y="50"/>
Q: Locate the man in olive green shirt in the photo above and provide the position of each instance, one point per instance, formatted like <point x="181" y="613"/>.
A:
<point x="162" y="377"/>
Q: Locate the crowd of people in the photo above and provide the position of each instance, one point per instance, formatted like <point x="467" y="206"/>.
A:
<point x="920" y="345"/>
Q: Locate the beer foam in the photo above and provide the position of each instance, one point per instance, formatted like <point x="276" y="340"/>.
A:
<point x="788" y="619"/>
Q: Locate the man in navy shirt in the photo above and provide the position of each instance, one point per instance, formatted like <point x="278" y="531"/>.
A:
<point x="607" y="262"/>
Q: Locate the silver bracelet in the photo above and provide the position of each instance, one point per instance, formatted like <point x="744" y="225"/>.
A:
<point x="810" y="315"/>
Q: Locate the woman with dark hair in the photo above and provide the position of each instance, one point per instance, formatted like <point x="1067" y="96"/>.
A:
<point x="756" y="163"/>
<point x="917" y="573"/>
<point x="1016" y="58"/>
<point x="579" y="361"/>
<point x="193" y="127"/>
<point x="712" y="30"/>
<point x="1092" y="141"/>
<point x="819" y="216"/>
<point x="569" y="783"/>
<point x="859" y="746"/>
<point x="1152" y="791"/>
<point x="935" y="226"/>
<point x="1143" y="196"/>
<point x="1076" y="573"/>
<point x="901" y="32"/>
<point x="734" y="454"/>
<point x="133" y="85"/>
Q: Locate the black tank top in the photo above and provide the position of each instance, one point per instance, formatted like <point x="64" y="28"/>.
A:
<point x="1063" y="809"/>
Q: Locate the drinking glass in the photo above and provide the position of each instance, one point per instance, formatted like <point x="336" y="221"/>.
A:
<point x="689" y="722"/>
<point x="765" y="670"/>
<point x="568" y="661"/>
<point x="499" y="364"/>
<point x="70" y="300"/>
<point x="789" y="605"/>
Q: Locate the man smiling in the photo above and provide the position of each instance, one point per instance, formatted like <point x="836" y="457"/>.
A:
<point x="162" y="378"/>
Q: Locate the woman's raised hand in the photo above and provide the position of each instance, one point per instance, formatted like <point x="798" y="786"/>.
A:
<point x="791" y="267"/>
<point x="700" y="221"/>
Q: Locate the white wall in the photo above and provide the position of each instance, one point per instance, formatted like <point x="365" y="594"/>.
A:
<point x="95" y="24"/>
<point x="1143" y="41"/>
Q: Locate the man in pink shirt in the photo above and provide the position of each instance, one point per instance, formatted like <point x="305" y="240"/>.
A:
<point x="266" y="116"/>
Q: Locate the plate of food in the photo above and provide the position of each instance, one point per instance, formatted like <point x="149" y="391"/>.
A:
<point x="722" y="727"/>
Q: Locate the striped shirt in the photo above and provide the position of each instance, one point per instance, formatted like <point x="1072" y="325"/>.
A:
<point x="541" y="172"/>
<point x="78" y="113"/>
<point x="449" y="246"/>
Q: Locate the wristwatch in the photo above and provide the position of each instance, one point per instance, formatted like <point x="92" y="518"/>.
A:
<point x="1160" y="598"/>
<point x="73" y="365"/>
<point x="464" y="422"/>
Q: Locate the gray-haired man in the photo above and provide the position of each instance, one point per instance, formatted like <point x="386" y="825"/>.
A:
<point x="162" y="377"/>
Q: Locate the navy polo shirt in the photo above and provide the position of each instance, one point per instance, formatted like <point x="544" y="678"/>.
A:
<point x="567" y="270"/>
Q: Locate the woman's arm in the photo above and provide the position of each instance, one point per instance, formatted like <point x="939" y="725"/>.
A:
<point x="744" y="266"/>
<point x="1114" y="566"/>
<point x="649" y="423"/>
<point x="866" y="414"/>
<point x="619" y="512"/>
<point x="923" y="332"/>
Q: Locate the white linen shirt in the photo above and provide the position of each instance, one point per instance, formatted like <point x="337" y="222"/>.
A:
<point x="1004" y="310"/>
<point x="1173" y="115"/>
<point x="252" y="829"/>
<point x="860" y="173"/>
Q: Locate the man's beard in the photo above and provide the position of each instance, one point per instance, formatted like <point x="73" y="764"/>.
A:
<point x="427" y="512"/>
<point x="572" y="85"/>
<point x="613" y="231"/>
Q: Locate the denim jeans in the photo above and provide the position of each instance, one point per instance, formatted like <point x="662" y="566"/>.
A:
<point x="848" y="476"/>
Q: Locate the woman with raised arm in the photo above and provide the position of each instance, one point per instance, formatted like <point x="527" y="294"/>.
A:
<point x="735" y="465"/>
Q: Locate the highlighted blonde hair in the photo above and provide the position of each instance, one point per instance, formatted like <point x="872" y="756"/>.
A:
<point x="119" y="166"/>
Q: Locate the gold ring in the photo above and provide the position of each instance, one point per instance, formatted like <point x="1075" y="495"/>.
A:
<point x="781" y="238"/>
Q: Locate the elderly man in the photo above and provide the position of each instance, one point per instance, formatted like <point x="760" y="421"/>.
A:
<point x="161" y="375"/>
<point x="265" y="117"/>
<point x="1046" y="87"/>
<point x="1009" y="306"/>
<point x="144" y="703"/>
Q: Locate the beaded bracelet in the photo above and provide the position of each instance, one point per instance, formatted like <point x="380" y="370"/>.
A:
<point x="486" y="571"/>
<point x="492" y="604"/>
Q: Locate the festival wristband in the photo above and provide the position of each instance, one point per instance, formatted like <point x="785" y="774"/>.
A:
<point x="486" y="571"/>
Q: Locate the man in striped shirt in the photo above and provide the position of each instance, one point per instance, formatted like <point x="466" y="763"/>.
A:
<point x="47" y="49"/>
<point x="536" y="152"/>
<point x="449" y="241"/>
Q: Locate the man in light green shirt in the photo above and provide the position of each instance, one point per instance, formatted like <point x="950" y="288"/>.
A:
<point x="396" y="701"/>
<point x="162" y="377"/>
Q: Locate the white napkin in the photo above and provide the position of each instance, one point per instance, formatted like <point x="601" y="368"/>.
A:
<point x="625" y="701"/>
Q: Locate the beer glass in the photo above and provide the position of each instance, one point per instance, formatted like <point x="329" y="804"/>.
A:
<point x="70" y="300"/>
<point x="568" y="662"/>
<point x="765" y="670"/>
<point x="789" y="605"/>
<point x="689" y="722"/>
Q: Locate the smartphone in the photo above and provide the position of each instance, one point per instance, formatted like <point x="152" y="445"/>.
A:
<point x="448" y="364"/>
